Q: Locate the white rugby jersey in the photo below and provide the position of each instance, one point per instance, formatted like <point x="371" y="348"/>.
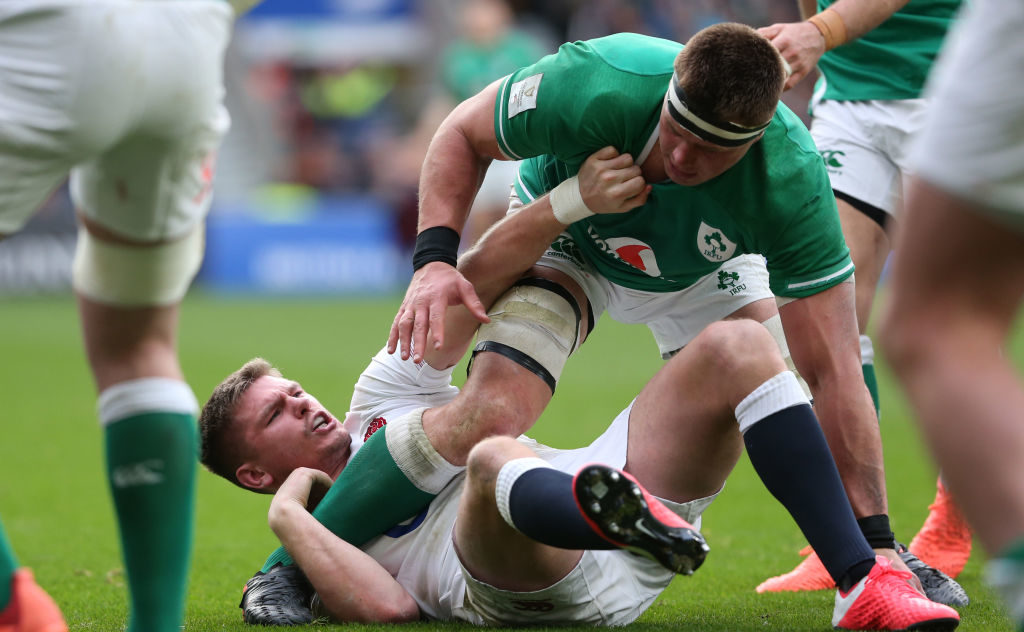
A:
<point x="419" y="553"/>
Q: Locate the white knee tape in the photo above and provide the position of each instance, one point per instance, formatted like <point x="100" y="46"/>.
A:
<point x="537" y="322"/>
<point x="774" y="325"/>
<point x="136" y="276"/>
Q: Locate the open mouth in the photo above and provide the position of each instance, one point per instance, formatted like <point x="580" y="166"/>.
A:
<point x="321" y="421"/>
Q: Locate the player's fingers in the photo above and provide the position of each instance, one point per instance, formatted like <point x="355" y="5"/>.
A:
<point x="405" y="332"/>
<point x="436" y="324"/>
<point x="770" y="31"/>
<point x="630" y="188"/>
<point x="469" y="298"/>
<point x="795" y="77"/>
<point x="393" y="334"/>
<point x="639" y="199"/>
<point x="420" y="325"/>
<point x="605" y="153"/>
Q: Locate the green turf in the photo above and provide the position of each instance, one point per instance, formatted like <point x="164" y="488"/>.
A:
<point x="57" y="513"/>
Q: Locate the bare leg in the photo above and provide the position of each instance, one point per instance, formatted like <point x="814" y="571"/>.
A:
<point x="950" y="315"/>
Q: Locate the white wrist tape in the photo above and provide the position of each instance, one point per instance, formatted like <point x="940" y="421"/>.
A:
<point x="567" y="202"/>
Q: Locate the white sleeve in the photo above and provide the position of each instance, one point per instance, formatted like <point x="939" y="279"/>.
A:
<point x="390" y="387"/>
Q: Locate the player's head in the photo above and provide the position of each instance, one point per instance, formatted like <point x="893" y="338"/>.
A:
<point x="258" y="426"/>
<point x="723" y="94"/>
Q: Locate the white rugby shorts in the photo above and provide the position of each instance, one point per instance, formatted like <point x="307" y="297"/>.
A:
<point x="675" y="318"/>
<point x="124" y="95"/>
<point x="866" y="146"/>
<point x="606" y="588"/>
<point x="973" y="141"/>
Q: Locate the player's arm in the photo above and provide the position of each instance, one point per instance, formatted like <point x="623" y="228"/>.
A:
<point x="351" y="584"/>
<point x="821" y="330"/>
<point x="803" y="43"/>
<point x="608" y="182"/>
<point x="455" y="163"/>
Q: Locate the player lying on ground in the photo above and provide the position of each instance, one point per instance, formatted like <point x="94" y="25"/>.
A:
<point x="727" y="389"/>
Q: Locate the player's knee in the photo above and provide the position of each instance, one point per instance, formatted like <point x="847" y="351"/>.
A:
<point x="126" y="275"/>
<point x="905" y="339"/>
<point x="488" y="456"/>
<point x="735" y="346"/>
<point x="536" y="324"/>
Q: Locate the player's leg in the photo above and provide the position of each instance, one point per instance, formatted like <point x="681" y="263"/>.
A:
<point x="946" y="328"/>
<point x="34" y="160"/>
<point x="142" y="203"/>
<point x="519" y="563"/>
<point x="864" y="229"/>
<point x="512" y="376"/>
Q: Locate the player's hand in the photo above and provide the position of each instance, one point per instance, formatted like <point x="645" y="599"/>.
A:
<point x="801" y="45"/>
<point x="899" y="564"/>
<point x="611" y="183"/>
<point x="433" y="288"/>
<point x="303" y="488"/>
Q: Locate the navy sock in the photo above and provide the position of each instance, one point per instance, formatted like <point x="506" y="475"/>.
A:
<point x="790" y="454"/>
<point x="543" y="507"/>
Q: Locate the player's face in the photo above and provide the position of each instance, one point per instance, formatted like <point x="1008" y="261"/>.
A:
<point x="284" y="427"/>
<point x="689" y="160"/>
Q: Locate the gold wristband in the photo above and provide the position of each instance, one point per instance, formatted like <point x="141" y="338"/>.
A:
<point x="832" y="27"/>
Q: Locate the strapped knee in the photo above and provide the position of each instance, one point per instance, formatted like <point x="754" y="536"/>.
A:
<point x="136" y="276"/>
<point x="536" y="324"/>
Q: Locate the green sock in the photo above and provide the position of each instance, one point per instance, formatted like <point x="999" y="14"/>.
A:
<point x="151" y="464"/>
<point x="371" y="496"/>
<point x="867" y="358"/>
<point x="8" y="564"/>
<point x="1005" y="573"/>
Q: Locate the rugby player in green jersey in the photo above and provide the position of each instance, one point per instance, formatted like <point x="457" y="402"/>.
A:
<point x="125" y="98"/>
<point x="734" y="209"/>
<point x="867" y="107"/>
<point x="702" y="199"/>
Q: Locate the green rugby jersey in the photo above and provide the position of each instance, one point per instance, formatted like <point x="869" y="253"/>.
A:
<point x="776" y="201"/>
<point x="890" y="62"/>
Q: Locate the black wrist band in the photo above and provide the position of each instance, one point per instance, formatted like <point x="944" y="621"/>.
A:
<point x="877" y="531"/>
<point x="437" y="243"/>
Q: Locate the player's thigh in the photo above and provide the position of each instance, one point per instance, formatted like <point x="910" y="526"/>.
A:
<point x="941" y="277"/>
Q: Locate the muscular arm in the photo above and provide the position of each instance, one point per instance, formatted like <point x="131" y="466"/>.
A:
<point x="608" y="182"/>
<point x="822" y="334"/>
<point x="352" y="585"/>
<point x="456" y="161"/>
<point x="802" y="44"/>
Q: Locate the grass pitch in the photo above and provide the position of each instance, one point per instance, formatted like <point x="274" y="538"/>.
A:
<point x="57" y="512"/>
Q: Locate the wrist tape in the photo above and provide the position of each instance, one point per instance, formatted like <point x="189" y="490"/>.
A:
<point x="567" y="202"/>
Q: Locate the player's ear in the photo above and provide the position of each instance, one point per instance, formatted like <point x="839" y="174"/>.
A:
<point x="254" y="477"/>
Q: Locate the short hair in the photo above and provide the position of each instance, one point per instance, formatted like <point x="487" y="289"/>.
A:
<point x="732" y="72"/>
<point x="220" y="449"/>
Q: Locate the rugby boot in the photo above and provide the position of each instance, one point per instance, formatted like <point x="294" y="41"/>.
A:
<point x="621" y="511"/>
<point x="810" y="574"/>
<point x="883" y="600"/>
<point x="30" y="608"/>
<point x="944" y="541"/>
<point x="281" y="596"/>
<point x="938" y="586"/>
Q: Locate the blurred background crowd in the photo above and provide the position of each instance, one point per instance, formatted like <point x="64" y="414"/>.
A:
<point x="333" y="103"/>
